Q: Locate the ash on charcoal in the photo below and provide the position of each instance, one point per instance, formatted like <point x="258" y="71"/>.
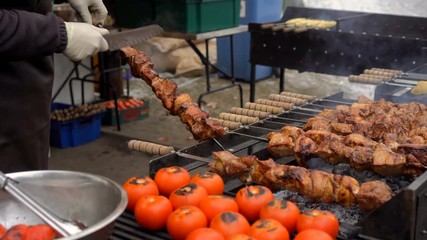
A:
<point x="394" y="182"/>
<point x="350" y="215"/>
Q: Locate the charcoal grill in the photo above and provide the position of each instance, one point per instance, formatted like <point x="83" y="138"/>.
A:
<point x="403" y="217"/>
<point x="359" y="41"/>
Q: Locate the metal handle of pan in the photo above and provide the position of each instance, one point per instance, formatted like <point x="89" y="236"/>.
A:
<point x="150" y="148"/>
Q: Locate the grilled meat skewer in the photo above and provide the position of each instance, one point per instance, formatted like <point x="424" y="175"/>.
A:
<point x="360" y="152"/>
<point x="180" y="104"/>
<point x="316" y="185"/>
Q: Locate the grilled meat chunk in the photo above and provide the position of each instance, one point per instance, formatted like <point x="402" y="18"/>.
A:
<point x="373" y="194"/>
<point x="387" y="162"/>
<point x="197" y="121"/>
<point x="316" y="185"/>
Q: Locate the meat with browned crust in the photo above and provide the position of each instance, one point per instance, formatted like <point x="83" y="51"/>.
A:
<point x="198" y="122"/>
<point x="316" y="185"/>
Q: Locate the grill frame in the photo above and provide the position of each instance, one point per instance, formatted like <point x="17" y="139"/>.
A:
<point x="383" y="223"/>
<point x="359" y="41"/>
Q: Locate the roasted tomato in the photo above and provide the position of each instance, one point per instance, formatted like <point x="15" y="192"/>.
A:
<point x="190" y="194"/>
<point x="18" y="231"/>
<point x="212" y="182"/>
<point x="230" y="223"/>
<point x="318" y="219"/>
<point x="250" y="200"/>
<point x="136" y="187"/>
<point x="310" y="234"/>
<point x="285" y="212"/>
<point x="3" y="230"/>
<point x="268" y="229"/>
<point x="184" y="220"/>
<point x="214" y="204"/>
<point x="240" y="236"/>
<point x="205" y="234"/>
<point x="151" y="212"/>
<point x="40" y="232"/>
<point x="170" y="178"/>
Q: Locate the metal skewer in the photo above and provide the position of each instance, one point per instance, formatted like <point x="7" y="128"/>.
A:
<point x="300" y="113"/>
<point x="317" y="105"/>
<point x="193" y="157"/>
<point x="287" y="119"/>
<point x="399" y="85"/>
<point x="332" y="101"/>
<point x="309" y="109"/>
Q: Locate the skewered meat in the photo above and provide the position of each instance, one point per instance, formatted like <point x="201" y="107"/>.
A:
<point x="316" y="185"/>
<point x="360" y="152"/>
<point x="282" y="143"/>
<point x="380" y="120"/>
<point x="366" y="135"/>
<point x="198" y="122"/>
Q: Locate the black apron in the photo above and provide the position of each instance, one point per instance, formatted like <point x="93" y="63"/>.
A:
<point x="25" y="94"/>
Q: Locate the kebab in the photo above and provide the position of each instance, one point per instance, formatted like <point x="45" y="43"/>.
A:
<point x="179" y="104"/>
<point x="360" y="152"/>
<point x="316" y="185"/>
<point x="380" y="121"/>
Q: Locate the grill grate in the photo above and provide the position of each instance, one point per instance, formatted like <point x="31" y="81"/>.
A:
<point x="386" y="222"/>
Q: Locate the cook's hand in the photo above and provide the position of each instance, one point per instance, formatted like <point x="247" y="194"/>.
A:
<point x="84" y="40"/>
<point x="84" y="9"/>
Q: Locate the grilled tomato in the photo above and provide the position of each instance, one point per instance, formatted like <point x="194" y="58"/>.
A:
<point x="190" y="194"/>
<point x="230" y="223"/>
<point x="268" y="229"/>
<point x="18" y="231"/>
<point x="250" y="200"/>
<point x="184" y="220"/>
<point x="214" y="204"/>
<point x="318" y="219"/>
<point x="170" y="178"/>
<point x="212" y="182"/>
<point x="285" y="212"/>
<point x="136" y="187"/>
<point x="310" y="234"/>
<point x="205" y="234"/>
<point x="40" y="232"/>
<point x="3" y="230"/>
<point x="151" y="212"/>
<point x="240" y="236"/>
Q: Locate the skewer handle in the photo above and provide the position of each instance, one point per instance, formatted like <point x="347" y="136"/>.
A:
<point x="249" y="112"/>
<point x="284" y="105"/>
<point x="263" y="108"/>
<point x="229" y="124"/>
<point x="380" y="73"/>
<point x="297" y="95"/>
<point x="280" y="98"/>
<point x="238" y="118"/>
<point x="150" y="148"/>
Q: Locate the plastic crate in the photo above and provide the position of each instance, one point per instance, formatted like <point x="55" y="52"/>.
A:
<point x="196" y="16"/>
<point x="253" y="11"/>
<point x="126" y="115"/>
<point x="134" y="13"/>
<point x="75" y="132"/>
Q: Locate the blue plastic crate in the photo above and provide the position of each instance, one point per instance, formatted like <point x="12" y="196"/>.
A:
<point x="75" y="132"/>
<point x="253" y="11"/>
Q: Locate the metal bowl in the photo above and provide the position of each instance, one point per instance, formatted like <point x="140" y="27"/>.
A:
<point x="91" y="200"/>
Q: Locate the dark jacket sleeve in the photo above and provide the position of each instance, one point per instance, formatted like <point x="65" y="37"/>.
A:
<point x="25" y="35"/>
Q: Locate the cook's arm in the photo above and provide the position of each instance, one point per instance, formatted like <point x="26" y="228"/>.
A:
<point x="25" y="35"/>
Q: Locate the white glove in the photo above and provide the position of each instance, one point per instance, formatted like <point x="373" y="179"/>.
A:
<point x="84" y="9"/>
<point x="84" y="40"/>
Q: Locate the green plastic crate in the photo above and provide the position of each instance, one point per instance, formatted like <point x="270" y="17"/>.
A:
<point x="134" y="13"/>
<point x="197" y="16"/>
